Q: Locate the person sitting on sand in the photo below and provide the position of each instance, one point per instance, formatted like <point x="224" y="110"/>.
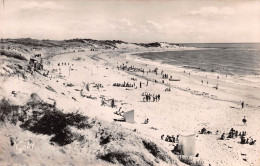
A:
<point x="178" y="149"/>
<point x="173" y="139"/>
<point x="252" y="142"/>
<point x="177" y="138"/>
<point x="103" y="102"/>
<point x="230" y="135"/>
<point x="117" y="112"/>
<point x="146" y="121"/>
<point x="167" y="138"/>
<point x="144" y="99"/>
<point x="222" y="136"/>
<point x="162" y="137"/>
<point x="203" y="131"/>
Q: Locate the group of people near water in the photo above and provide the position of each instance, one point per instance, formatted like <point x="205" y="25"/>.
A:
<point x="125" y="84"/>
<point x="131" y="68"/>
<point x="151" y="97"/>
<point x="165" y="75"/>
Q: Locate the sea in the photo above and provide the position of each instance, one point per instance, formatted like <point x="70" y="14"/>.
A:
<point x="225" y="58"/>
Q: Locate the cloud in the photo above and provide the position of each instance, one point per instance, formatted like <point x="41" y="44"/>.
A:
<point x="126" y="22"/>
<point x="214" y="11"/>
<point x="154" y="25"/>
<point x="39" y="5"/>
<point x="173" y="21"/>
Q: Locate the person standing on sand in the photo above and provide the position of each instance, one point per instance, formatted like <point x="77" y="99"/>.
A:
<point x="140" y="84"/>
<point x="113" y="103"/>
<point x="147" y="83"/>
<point x="242" y="104"/>
<point x="244" y="120"/>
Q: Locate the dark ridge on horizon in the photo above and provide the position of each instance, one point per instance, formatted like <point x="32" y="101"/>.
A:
<point x="121" y="41"/>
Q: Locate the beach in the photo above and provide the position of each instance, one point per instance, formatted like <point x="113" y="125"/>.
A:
<point x="190" y="105"/>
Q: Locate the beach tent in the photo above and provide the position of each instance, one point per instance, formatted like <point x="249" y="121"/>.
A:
<point x="187" y="141"/>
<point x="129" y="116"/>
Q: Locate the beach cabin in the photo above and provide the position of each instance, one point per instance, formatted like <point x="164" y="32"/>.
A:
<point x="187" y="141"/>
<point x="129" y="116"/>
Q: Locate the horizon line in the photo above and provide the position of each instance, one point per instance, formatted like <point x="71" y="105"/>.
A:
<point x="135" y="42"/>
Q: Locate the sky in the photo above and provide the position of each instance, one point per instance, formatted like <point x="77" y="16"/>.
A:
<point x="176" y="21"/>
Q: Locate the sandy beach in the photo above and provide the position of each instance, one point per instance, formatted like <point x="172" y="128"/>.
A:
<point x="188" y="107"/>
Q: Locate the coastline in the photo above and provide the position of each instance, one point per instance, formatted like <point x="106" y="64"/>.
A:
<point x="185" y="109"/>
<point x="237" y="87"/>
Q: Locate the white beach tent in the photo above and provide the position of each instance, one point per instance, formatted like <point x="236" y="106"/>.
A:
<point x="187" y="141"/>
<point x="129" y="116"/>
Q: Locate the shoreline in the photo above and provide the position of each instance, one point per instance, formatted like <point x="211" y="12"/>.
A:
<point x="240" y="82"/>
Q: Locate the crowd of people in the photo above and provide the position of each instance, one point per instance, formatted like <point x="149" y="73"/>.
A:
<point x="131" y="68"/>
<point x="204" y="131"/>
<point x="170" y="138"/>
<point x="165" y="75"/>
<point x="125" y="84"/>
<point x="234" y="134"/>
<point x="151" y="97"/>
